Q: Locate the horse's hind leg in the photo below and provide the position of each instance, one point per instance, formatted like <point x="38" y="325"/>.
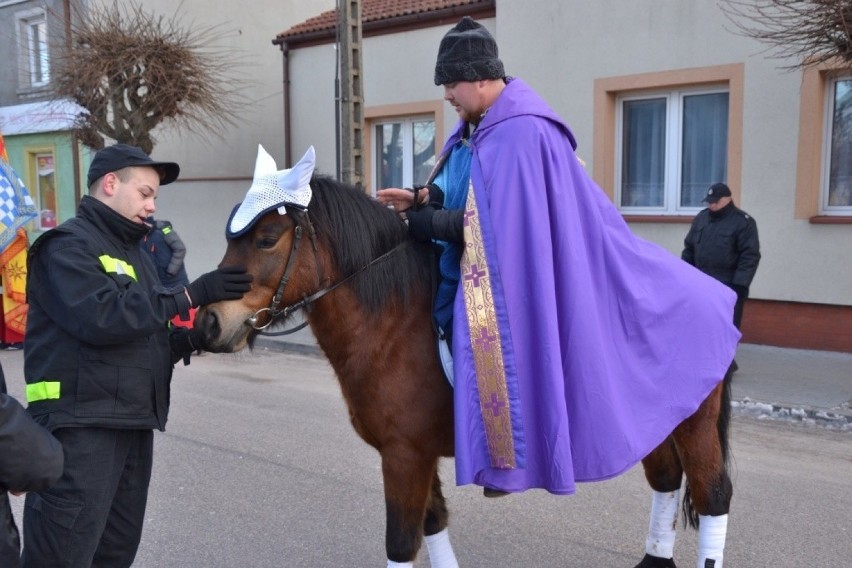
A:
<point x="664" y="474"/>
<point x="702" y="444"/>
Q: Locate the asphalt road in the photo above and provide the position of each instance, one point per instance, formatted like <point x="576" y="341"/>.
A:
<point x="259" y="467"/>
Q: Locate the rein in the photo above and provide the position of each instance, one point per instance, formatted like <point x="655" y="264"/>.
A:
<point x="276" y="313"/>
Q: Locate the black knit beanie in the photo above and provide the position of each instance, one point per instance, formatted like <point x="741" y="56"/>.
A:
<point x="467" y="53"/>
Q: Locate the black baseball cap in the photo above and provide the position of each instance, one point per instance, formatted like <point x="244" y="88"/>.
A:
<point x="119" y="156"/>
<point x="716" y="192"/>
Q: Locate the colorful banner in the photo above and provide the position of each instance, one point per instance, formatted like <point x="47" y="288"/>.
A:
<point x="13" y="275"/>
<point x="16" y="206"/>
<point x="3" y="155"/>
<point x="16" y="209"/>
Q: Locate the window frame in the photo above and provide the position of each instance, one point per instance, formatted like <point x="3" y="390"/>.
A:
<point x="27" y="64"/>
<point x="828" y="131"/>
<point x="34" y="186"/>
<point x="606" y="92"/>
<point x="407" y="123"/>
<point x="430" y="110"/>
<point x="673" y="153"/>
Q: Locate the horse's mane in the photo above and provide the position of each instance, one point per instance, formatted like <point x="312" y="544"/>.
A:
<point x="357" y="229"/>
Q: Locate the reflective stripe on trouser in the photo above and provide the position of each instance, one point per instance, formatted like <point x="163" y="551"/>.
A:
<point x="42" y="391"/>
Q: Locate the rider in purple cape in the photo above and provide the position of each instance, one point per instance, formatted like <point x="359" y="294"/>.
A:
<point x="577" y="346"/>
<point x="596" y="343"/>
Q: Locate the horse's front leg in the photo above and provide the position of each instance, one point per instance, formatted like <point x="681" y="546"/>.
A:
<point x="408" y="482"/>
<point x="664" y="474"/>
<point x="441" y="553"/>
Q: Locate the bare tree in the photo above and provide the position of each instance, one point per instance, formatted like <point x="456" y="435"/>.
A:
<point x="132" y="71"/>
<point x="810" y="31"/>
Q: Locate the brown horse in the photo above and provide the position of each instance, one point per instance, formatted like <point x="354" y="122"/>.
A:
<point x="366" y="290"/>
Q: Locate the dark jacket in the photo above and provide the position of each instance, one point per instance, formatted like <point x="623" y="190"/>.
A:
<point x="167" y="251"/>
<point x="97" y="348"/>
<point x="30" y="460"/>
<point x="724" y="244"/>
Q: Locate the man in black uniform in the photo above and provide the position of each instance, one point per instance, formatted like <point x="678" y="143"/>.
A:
<point x="723" y="243"/>
<point x="98" y="358"/>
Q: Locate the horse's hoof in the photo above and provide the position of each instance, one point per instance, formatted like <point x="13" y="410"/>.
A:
<point x="656" y="562"/>
<point x="492" y="493"/>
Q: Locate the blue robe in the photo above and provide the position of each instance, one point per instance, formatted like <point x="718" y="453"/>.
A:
<point x="578" y="346"/>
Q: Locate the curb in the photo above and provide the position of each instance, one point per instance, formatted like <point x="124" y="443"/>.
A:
<point x="832" y="419"/>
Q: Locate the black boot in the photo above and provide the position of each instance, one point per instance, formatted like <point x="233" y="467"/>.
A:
<point x="656" y="562"/>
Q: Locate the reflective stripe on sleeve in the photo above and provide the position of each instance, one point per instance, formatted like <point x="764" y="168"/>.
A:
<point x="117" y="266"/>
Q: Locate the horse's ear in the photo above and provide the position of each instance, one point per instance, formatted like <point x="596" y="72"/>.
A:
<point x="297" y="180"/>
<point x="264" y="164"/>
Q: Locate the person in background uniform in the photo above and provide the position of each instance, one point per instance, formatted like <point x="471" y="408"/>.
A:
<point x="98" y="359"/>
<point x="166" y="249"/>
<point x="722" y="242"/>
<point x="30" y="460"/>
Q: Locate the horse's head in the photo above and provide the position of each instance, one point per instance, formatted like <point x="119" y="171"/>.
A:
<point x="275" y="244"/>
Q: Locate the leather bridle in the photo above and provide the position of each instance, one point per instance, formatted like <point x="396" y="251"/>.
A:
<point x="274" y="312"/>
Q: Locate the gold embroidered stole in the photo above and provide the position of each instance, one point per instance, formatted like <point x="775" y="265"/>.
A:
<point x="485" y="341"/>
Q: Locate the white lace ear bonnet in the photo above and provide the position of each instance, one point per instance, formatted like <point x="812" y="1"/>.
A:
<point x="273" y="189"/>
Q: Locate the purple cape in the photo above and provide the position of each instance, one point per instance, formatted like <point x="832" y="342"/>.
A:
<point x="578" y="346"/>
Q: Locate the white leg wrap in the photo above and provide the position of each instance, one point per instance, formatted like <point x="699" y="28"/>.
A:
<point x="441" y="553"/>
<point x="392" y="564"/>
<point x="711" y="539"/>
<point x="661" y="528"/>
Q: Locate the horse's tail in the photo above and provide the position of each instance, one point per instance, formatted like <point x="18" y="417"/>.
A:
<point x="722" y="426"/>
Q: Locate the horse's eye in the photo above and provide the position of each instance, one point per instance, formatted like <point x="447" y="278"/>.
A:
<point x="266" y="243"/>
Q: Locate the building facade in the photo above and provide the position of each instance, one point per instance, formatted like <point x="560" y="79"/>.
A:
<point x="37" y="129"/>
<point x="664" y="99"/>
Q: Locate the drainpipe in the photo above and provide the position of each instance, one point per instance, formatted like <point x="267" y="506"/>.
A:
<point x="285" y="53"/>
<point x="75" y="144"/>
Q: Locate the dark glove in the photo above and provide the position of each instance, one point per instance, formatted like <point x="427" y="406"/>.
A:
<point x="742" y="291"/>
<point x="226" y="283"/>
<point x="436" y="195"/>
<point x="420" y="223"/>
<point x="183" y="341"/>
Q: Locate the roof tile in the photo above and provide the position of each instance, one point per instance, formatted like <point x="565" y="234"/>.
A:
<point x="374" y="11"/>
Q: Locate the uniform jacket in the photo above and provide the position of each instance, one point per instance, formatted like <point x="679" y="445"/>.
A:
<point x="167" y="251"/>
<point x="97" y="345"/>
<point x="30" y="460"/>
<point x="724" y="245"/>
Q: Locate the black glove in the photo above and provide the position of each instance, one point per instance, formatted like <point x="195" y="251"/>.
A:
<point x="742" y="291"/>
<point x="436" y="196"/>
<point x="183" y="341"/>
<point x="420" y="223"/>
<point x="226" y="283"/>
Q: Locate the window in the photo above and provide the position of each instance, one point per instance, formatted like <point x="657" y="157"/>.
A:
<point x="34" y="56"/>
<point x="404" y="150"/>
<point x="43" y="189"/>
<point x="671" y="146"/>
<point x="837" y="160"/>
<point x="683" y="109"/>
